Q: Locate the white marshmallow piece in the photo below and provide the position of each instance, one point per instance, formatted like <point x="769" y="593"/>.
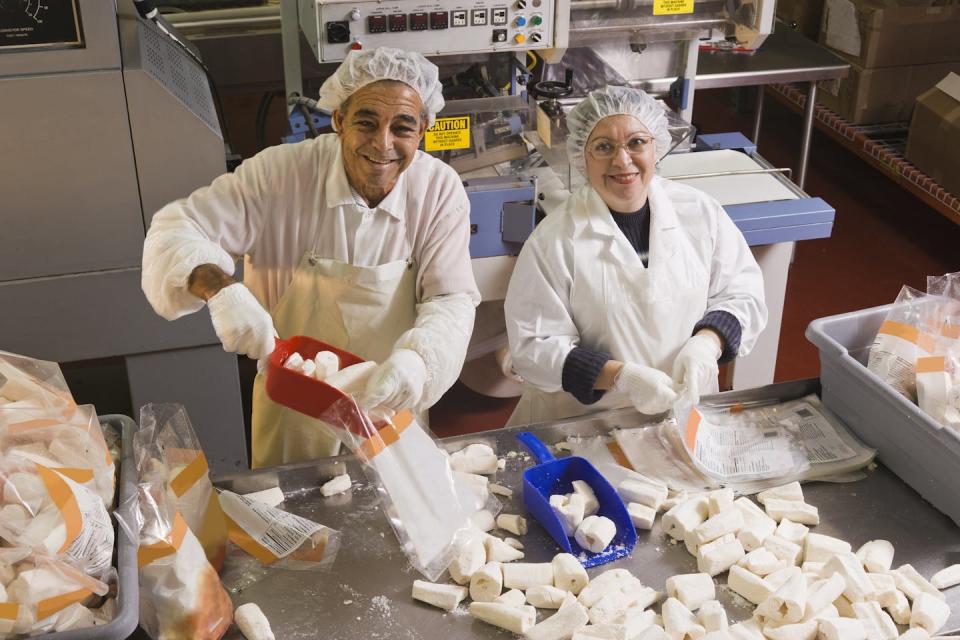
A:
<point x="294" y="362"/>
<point x="858" y="586"/>
<point x="718" y="556"/>
<point x="790" y="491"/>
<point x="474" y="458"/>
<point x="730" y="521"/>
<point x="719" y="501"/>
<point x="472" y="556"/>
<point x="747" y="630"/>
<point x="913" y="584"/>
<point x="884" y="588"/>
<point x="646" y="493"/>
<point x="757" y="525"/>
<point x="929" y="613"/>
<point x="270" y="497"/>
<point x="327" y="363"/>
<point x="641" y="516"/>
<point x="523" y="575"/>
<point x="685" y="517"/>
<point x="679" y="622"/>
<point x="498" y="550"/>
<point x="486" y="583"/>
<point x="601" y="632"/>
<point x="823" y="594"/>
<point x="842" y="629"/>
<point x="252" y="623"/>
<point x="590" y="503"/>
<point x="545" y="596"/>
<point x="762" y="562"/>
<point x="712" y="615"/>
<point x="876" y="556"/>
<point x="820" y="548"/>
<point x="483" y="520"/>
<point x="792" y="531"/>
<point x="515" y="524"/>
<point x="610" y="581"/>
<point x="500" y="490"/>
<point x="898" y="608"/>
<point x="513" y="598"/>
<point x="917" y="633"/>
<point x="876" y="623"/>
<point x="514" y="619"/>
<point x="798" y="511"/>
<point x="946" y="578"/>
<point x="595" y="533"/>
<point x="787" y="604"/>
<point x="570" y="511"/>
<point x="783" y="549"/>
<point x="797" y="631"/>
<point x="750" y="586"/>
<point x="513" y="542"/>
<point x="568" y="573"/>
<point x="691" y="589"/>
<point x="338" y="485"/>
<point x="570" y="617"/>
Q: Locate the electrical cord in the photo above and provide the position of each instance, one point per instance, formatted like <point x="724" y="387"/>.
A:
<point x="149" y="11"/>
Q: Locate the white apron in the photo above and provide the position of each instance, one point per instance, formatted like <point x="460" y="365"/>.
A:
<point x="363" y="310"/>
<point x="637" y="314"/>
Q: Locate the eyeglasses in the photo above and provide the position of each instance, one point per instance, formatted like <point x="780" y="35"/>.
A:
<point x="603" y="149"/>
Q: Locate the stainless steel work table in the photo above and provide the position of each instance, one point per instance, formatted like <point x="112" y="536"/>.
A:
<point x="367" y="592"/>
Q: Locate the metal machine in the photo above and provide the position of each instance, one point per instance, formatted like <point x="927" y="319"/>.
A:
<point x="105" y="120"/>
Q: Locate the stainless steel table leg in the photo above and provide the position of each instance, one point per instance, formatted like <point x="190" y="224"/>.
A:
<point x="758" y="115"/>
<point x="808" y="111"/>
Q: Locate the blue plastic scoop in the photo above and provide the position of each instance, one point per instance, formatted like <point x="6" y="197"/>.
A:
<point x="552" y="476"/>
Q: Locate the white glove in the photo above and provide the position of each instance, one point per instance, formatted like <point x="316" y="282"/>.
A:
<point x="241" y="323"/>
<point x="397" y="383"/>
<point x="650" y="390"/>
<point x="696" y="365"/>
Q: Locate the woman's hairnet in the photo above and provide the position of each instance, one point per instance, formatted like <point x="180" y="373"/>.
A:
<point x="612" y="101"/>
<point x="361" y="68"/>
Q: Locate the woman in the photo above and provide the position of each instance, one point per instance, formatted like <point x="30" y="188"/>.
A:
<point x="633" y="278"/>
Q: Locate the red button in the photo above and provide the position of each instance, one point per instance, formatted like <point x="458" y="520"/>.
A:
<point x="356" y="46"/>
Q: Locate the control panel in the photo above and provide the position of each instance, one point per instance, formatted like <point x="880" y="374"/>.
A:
<point x="335" y="27"/>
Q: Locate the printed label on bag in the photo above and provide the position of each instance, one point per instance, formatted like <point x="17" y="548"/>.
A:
<point x="820" y="439"/>
<point x="278" y="533"/>
<point x="737" y="451"/>
<point x="894" y="353"/>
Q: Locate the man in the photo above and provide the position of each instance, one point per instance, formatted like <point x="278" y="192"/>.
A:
<point x="354" y="238"/>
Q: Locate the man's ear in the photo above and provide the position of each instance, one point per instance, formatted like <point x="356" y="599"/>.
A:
<point x="337" y="121"/>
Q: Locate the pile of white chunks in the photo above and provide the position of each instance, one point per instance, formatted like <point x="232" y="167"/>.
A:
<point x="805" y="586"/>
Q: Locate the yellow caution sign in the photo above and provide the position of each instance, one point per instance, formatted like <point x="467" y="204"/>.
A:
<point x="667" y="7"/>
<point x="447" y="134"/>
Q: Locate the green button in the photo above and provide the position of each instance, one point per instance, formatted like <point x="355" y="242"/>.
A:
<point x="536" y="21"/>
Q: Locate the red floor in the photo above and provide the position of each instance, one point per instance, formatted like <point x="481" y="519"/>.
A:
<point x="882" y="239"/>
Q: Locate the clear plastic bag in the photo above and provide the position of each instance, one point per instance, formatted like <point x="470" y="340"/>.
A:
<point x="909" y="332"/>
<point x="45" y="510"/>
<point x="29" y="384"/>
<point x="938" y="383"/>
<point x="45" y="595"/>
<point x="277" y="538"/>
<point x="169" y="455"/>
<point x="427" y="508"/>
<point x="70" y="441"/>
<point x="947" y="285"/>
<point x="180" y="591"/>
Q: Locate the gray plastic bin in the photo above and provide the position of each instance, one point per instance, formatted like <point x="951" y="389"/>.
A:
<point x="914" y="446"/>
<point x="128" y="593"/>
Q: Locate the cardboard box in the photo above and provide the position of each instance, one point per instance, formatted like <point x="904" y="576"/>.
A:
<point x="802" y="15"/>
<point x="891" y="33"/>
<point x="934" y="141"/>
<point x="886" y="94"/>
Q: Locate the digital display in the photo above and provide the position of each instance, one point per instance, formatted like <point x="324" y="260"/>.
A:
<point x="377" y="24"/>
<point x="28" y="24"/>
<point x="418" y="22"/>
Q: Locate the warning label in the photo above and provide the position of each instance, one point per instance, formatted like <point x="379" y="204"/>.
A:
<point x="447" y="134"/>
<point x="667" y="7"/>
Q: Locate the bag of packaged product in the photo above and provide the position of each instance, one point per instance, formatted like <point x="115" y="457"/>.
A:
<point x="913" y="324"/>
<point x="172" y="457"/>
<point x="277" y="538"/>
<point x="43" y="595"/>
<point x="27" y="384"/>
<point x="938" y="383"/>
<point x="180" y="592"/>
<point x="47" y="511"/>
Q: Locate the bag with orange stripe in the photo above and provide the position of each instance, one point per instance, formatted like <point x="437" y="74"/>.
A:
<point x="43" y="595"/>
<point x="173" y="458"/>
<point x="915" y="322"/>
<point x="40" y="423"/>
<point x="180" y="592"/>
<point x="938" y="384"/>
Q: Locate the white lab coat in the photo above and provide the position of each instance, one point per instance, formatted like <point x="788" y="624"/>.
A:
<point x="291" y="206"/>
<point x="579" y="282"/>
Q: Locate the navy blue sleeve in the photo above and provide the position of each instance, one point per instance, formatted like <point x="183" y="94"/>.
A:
<point x="580" y="372"/>
<point x="727" y="325"/>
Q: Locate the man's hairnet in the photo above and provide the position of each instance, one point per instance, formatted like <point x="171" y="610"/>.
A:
<point x="361" y="68"/>
<point x="612" y="101"/>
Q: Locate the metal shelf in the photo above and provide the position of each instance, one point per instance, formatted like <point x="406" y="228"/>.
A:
<point x="881" y="146"/>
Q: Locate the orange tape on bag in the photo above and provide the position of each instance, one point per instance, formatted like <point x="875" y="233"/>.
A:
<point x="386" y="435"/>
<point x="151" y="552"/>
<point x="693" y="425"/>
<point x="243" y="540"/>
<point x="66" y="502"/>
<point x="907" y="332"/>
<point x="931" y="364"/>
<point x="190" y="474"/>
<point x="48" y="607"/>
<point x="617" y="452"/>
<point x="9" y="610"/>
